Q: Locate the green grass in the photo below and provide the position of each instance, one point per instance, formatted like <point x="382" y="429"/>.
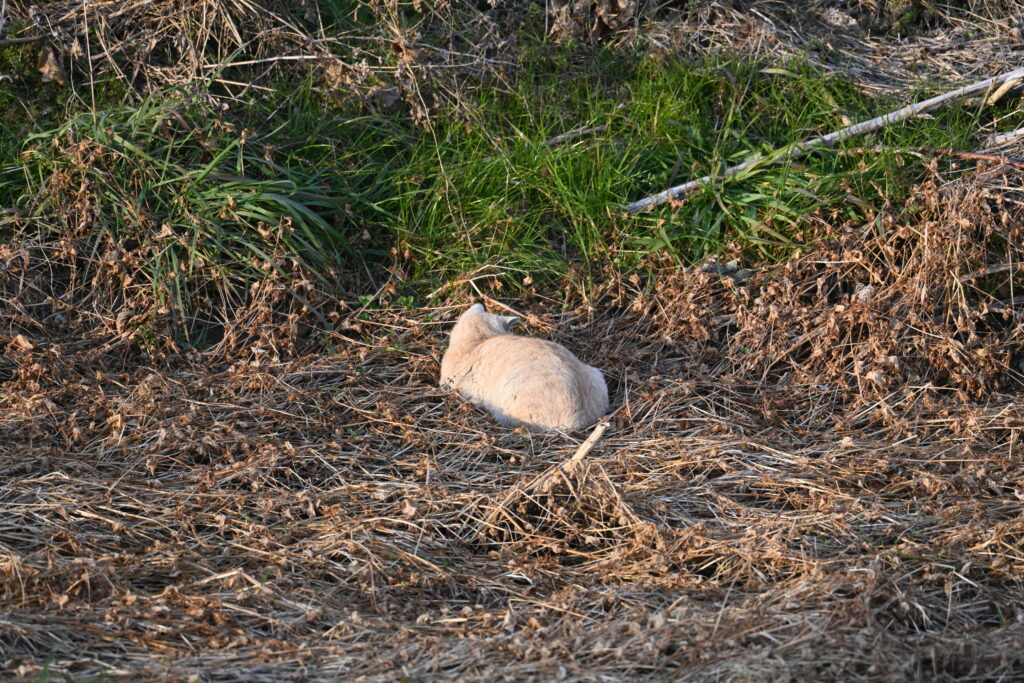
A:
<point x="30" y="106"/>
<point x="211" y="200"/>
<point x="490" y="191"/>
<point x="184" y="208"/>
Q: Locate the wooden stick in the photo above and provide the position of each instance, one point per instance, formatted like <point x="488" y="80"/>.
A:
<point x="799" y="148"/>
<point x="573" y="134"/>
<point x="18" y="41"/>
<point x="585" y="448"/>
<point x="991" y="270"/>
<point x="1003" y="138"/>
<point x="1006" y="87"/>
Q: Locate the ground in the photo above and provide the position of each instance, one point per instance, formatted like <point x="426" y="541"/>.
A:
<point x="224" y="452"/>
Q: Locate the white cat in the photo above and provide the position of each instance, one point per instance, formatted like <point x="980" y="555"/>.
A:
<point x="521" y="380"/>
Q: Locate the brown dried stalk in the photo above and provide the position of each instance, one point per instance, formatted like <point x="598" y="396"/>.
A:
<point x="19" y="41"/>
<point x="584" y="450"/>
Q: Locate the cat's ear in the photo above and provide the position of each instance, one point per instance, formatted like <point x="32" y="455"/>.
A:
<point x="476" y="308"/>
<point x="510" y="321"/>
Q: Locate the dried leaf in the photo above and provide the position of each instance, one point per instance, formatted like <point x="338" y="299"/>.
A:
<point x="21" y="343"/>
<point x="49" y="66"/>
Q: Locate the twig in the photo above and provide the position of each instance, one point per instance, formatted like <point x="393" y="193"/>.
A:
<point x="544" y="483"/>
<point x="1006" y="87"/>
<point x="570" y="465"/>
<point x="564" y="137"/>
<point x="311" y="308"/>
<point x="18" y="41"/>
<point x="461" y="281"/>
<point x="579" y="132"/>
<point x="1016" y="162"/>
<point x="573" y="134"/>
<point x="800" y="148"/>
<point x="569" y="135"/>
<point x="1003" y="138"/>
<point x="991" y="270"/>
<point x="478" y="274"/>
<point x="494" y="303"/>
<point x="268" y="60"/>
<point x="1003" y="304"/>
<point x="531" y="320"/>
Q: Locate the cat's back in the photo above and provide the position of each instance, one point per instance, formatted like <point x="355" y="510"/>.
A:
<point x="521" y="380"/>
<point x="533" y="357"/>
<point x="538" y="383"/>
<point x="510" y="366"/>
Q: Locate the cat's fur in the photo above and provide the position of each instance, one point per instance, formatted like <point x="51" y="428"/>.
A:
<point x="521" y="381"/>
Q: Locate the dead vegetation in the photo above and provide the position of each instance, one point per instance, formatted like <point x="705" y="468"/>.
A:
<point x="814" y="474"/>
<point x="146" y="43"/>
<point x="882" y="47"/>
<point x="421" y="56"/>
<point x="380" y="54"/>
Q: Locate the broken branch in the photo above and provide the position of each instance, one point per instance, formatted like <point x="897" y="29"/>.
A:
<point x="996" y="84"/>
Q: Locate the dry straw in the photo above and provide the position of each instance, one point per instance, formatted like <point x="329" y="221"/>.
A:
<point x="814" y="475"/>
<point x="560" y="475"/>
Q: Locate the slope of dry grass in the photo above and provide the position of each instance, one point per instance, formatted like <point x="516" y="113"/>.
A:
<point x="815" y="474"/>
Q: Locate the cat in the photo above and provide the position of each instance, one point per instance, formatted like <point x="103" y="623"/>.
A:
<point x="521" y="381"/>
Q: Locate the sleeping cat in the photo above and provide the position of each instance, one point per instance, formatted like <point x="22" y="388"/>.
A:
<point x="521" y="381"/>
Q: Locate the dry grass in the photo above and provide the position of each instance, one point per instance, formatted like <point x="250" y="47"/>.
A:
<point x="813" y="474"/>
<point x="379" y="54"/>
<point x="427" y="55"/>
<point x="147" y="42"/>
<point x="859" y="39"/>
<point x="807" y="480"/>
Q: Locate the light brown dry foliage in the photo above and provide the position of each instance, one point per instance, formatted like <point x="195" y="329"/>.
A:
<point x="379" y="53"/>
<point x="422" y="56"/>
<point x="859" y="39"/>
<point x="165" y="42"/>
<point x="816" y="475"/>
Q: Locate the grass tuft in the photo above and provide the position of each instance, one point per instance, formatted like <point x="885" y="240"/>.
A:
<point x="177" y="209"/>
